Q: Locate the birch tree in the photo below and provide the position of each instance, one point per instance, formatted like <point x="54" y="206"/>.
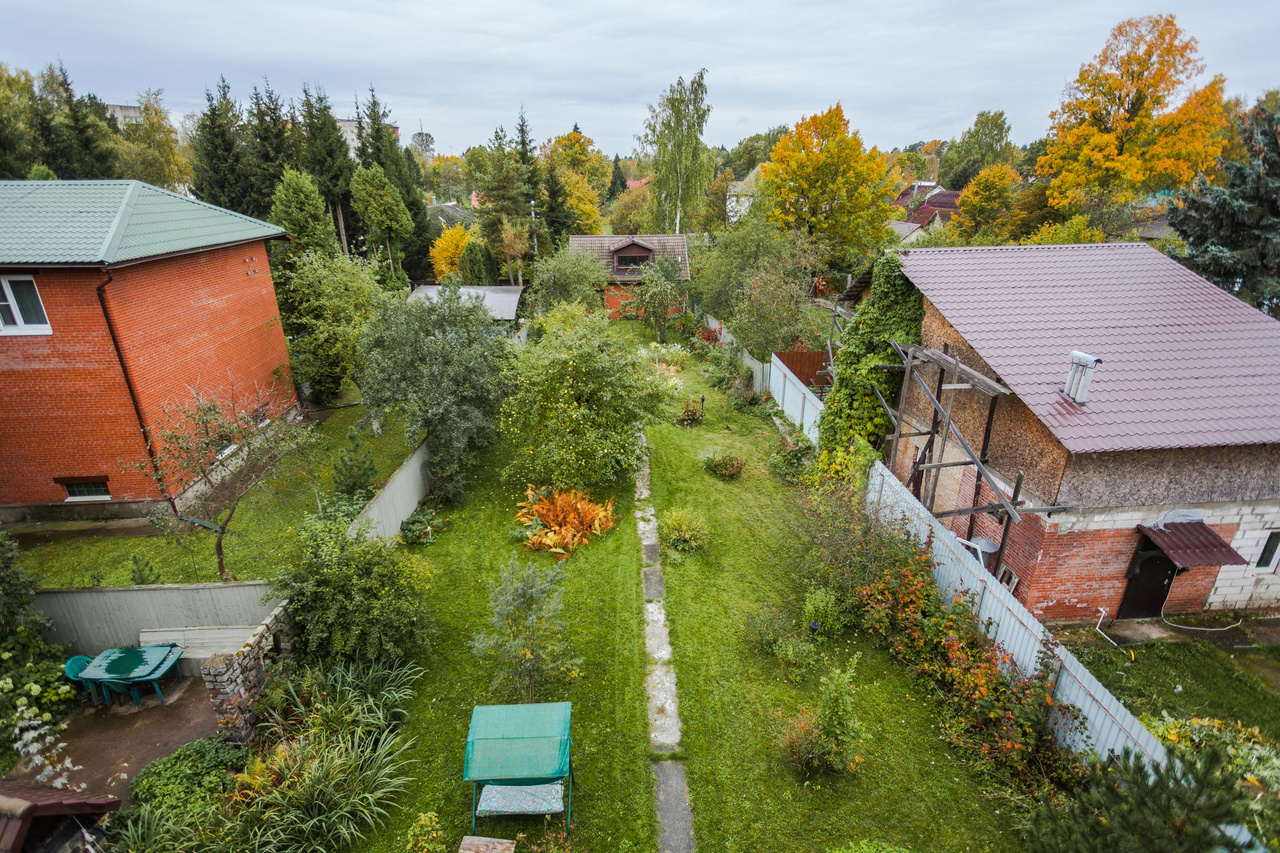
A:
<point x="682" y="163"/>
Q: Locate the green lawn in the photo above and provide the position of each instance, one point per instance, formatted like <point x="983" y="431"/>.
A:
<point x="911" y="791"/>
<point x="603" y="603"/>
<point x="262" y="533"/>
<point x="1185" y="679"/>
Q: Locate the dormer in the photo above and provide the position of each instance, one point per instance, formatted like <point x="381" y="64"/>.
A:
<point x="630" y="256"/>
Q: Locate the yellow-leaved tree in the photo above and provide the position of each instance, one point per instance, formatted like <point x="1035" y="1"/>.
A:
<point x="447" y="249"/>
<point x="986" y="205"/>
<point x="823" y="183"/>
<point x="1132" y="124"/>
<point x="584" y="203"/>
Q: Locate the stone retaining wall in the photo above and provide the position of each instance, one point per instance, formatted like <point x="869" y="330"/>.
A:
<point x="235" y="680"/>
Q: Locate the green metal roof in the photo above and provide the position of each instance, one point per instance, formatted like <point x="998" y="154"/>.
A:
<point x="111" y="222"/>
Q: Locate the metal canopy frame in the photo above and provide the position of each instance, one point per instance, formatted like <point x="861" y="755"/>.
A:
<point x="926" y="472"/>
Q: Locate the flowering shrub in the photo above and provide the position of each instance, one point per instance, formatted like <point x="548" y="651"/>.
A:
<point x="684" y="530"/>
<point x="690" y="415"/>
<point x="559" y="522"/>
<point x="726" y="466"/>
<point x="423" y="526"/>
<point x="425" y="835"/>
<point x="709" y="336"/>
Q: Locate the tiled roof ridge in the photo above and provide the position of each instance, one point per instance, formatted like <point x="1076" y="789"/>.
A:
<point x="1050" y="247"/>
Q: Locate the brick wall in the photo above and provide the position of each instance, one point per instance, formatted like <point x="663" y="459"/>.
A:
<point x="206" y="321"/>
<point x="66" y="410"/>
<point x="236" y="680"/>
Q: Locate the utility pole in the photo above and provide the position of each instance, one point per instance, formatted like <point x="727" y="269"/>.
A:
<point x="533" y="218"/>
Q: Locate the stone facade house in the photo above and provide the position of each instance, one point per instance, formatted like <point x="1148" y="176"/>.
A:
<point x="1137" y="408"/>
<point x="118" y="302"/>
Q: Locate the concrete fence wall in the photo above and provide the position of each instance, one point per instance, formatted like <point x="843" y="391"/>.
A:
<point x="398" y="498"/>
<point x="90" y="620"/>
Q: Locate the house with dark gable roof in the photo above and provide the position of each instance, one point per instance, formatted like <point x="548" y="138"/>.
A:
<point x="624" y="257"/>
<point x="118" y="300"/>
<point x="1125" y="406"/>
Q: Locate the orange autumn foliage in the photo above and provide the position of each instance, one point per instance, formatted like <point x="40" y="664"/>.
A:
<point x="559" y="522"/>
<point x="1132" y="123"/>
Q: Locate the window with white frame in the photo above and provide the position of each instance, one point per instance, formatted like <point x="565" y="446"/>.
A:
<point x="1270" y="559"/>
<point x="80" y="489"/>
<point x="21" y="311"/>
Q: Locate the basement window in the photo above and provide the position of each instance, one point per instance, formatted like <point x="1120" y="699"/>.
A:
<point x="21" y="311"/>
<point x="1270" y="552"/>
<point x="88" y="490"/>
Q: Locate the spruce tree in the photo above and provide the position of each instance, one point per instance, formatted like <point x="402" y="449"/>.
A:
<point x="271" y="148"/>
<point x="327" y="158"/>
<point x="378" y="145"/>
<point x="617" y="183"/>
<point x="218" y="162"/>
<point x="354" y="470"/>
<point x="1232" y="228"/>
<point x="1180" y="807"/>
<point x="556" y="212"/>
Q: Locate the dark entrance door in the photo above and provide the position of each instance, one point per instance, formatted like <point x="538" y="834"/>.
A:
<point x="1145" y="594"/>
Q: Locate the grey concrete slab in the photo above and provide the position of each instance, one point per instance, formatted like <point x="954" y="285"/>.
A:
<point x="664" y="714"/>
<point x="654" y="586"/>
<point x="656" y="639"/>
<point x="651" y="552"/>
<point x="675" y="816"/>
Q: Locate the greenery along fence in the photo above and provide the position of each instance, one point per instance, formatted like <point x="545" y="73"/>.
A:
<point x="760" y="373"/>
<point x="1106" y="725"/>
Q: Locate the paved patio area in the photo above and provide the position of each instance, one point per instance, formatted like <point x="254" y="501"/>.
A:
<point x="123" y="740"/>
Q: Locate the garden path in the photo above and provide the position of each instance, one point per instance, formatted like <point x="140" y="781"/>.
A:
<point x="675" y="817"/>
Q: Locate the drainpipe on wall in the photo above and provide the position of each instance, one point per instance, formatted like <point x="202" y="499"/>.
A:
<point x="133" y="396"/>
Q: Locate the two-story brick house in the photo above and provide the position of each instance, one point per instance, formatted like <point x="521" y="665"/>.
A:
<point x="1167" y="459"/>
<point x="118" y="302"/>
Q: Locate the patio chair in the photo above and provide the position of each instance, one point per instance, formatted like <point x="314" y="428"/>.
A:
<point x="122" y="689"/>
<point x="72" y="668"/>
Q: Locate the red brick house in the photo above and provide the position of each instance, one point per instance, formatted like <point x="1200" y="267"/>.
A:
<point x="118" y="300"/>
<point x="624" y="256"/>
<point x="1136" y="396"/>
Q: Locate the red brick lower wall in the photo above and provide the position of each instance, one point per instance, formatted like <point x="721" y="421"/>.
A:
<point x="615" y="296"/>
<point x="1064" y="575"/>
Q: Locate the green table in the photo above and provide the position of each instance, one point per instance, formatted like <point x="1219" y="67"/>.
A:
<point x="524" y="749"/>
<point x="132" y="666"/>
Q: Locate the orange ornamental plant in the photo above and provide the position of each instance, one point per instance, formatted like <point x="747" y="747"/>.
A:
<point x="560" y="521"/>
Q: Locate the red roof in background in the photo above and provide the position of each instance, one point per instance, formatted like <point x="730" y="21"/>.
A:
<point x="1184" y="363"/>
<point x="945" y="202"/>
<point x="633" y="184"/>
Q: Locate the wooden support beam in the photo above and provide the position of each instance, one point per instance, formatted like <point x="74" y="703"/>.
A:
<point x="993" y="508"/>
<point x="1008" y="522"/>
<point x="957" y="386"/>
<point x="932" y="465"/>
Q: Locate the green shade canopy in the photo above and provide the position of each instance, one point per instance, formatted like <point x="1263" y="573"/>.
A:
<point x="518" y="744"/>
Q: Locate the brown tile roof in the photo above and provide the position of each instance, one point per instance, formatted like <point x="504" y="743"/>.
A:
<point x="1184" y="363"/>
<point x="602" y="247"/>
<point x="640" y="182"/>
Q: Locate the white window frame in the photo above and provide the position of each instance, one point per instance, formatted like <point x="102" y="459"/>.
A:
<point x="74" y="499"/>
<point x="23" y="327"/>
<point x="1274" y="565"/>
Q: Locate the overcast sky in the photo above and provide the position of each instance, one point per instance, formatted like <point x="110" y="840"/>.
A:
<point x="904" y="71"/>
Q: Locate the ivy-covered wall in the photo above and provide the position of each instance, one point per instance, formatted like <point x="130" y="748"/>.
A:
<point x="853" y="419"/>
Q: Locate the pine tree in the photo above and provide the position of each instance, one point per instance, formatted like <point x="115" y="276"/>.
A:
<point x="1180" y="807"/>
<point x="526" y="155"/>
<point x="617" y="183"/>
<point x="218" y="163"/>
<point x="72" y="135"/>
<point x="502" y="187"/>
<point x="271" y="148"/>
<point x="378" y="204"/>
<point x="354" y="469"/>
<point x="1232" y="228"/>
<point x="327" y="158"/>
